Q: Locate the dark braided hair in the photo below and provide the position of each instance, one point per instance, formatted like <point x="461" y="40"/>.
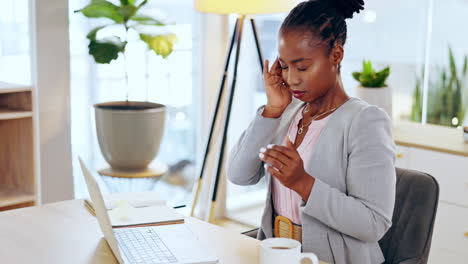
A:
<point x="323" y="18"/>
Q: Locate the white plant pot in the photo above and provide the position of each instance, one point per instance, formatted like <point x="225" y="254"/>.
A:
<point x="381" y="97"/>
<point x="129" y="133"/>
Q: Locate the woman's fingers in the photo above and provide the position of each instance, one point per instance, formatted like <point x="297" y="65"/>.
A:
<point x="290" y="147"/>
<point x="287" y="151"/>
<point x="275" y="68"/>
<point x="272" y="171"/>
<point x="265" y="67"/>
<point x="272" y="161"/>
<point x="278" y="153"/>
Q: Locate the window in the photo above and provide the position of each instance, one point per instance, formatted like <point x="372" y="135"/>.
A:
<point x="15" y="59"/>
<point x="447" y="83"/>
<point x="169" y="81"/>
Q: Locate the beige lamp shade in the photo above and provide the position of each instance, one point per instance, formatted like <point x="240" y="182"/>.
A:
<point x="244" y="7"/>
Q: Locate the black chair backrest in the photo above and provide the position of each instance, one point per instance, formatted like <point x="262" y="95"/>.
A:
<point x="409" y="238"/>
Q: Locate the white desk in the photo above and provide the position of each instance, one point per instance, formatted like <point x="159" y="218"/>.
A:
<point x="65" y="232"/>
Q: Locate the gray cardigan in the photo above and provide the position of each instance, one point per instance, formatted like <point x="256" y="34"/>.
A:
<point x="351" y="203"/>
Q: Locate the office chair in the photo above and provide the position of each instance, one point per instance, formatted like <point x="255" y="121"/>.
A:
<point x="408" y="241"/>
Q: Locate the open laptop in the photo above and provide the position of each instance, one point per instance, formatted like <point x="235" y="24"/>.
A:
<point x="152" y="244"/>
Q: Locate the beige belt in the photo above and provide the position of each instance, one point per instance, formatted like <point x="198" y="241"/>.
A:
<point x="285" y="228"/>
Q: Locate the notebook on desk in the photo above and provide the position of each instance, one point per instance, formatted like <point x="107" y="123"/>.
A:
<point x="137" y="209"/>
<point x="173" y="243"/>
<point x="134" y="199"/>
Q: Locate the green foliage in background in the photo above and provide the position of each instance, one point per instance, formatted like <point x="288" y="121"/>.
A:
<point x="416" y="108"/>
<point x="128" y="16"/>
<point x="369" y="77"/>
<point x="447" y="95"/>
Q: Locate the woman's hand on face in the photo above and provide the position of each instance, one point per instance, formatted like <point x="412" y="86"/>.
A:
<point x="278" y="94"/>
<point x="285" y="164"/>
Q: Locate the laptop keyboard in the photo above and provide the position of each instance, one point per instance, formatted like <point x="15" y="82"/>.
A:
<point x="143" y="245"/>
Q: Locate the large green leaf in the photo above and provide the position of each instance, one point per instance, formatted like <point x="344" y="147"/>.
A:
<point x="147" y="20"/>
<point x="100" y="9"/>
<point x="160" y="44"/>
<point x="127" y="11"/>
<point x="142" y="3"/>
<point x="92" y="34"/>
<point x="106" y="50"/>
<point x="127" y="2"/>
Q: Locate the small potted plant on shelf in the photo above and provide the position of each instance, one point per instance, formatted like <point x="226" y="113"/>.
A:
<point x="373" y="88"/>
<point x="129" y="132"/>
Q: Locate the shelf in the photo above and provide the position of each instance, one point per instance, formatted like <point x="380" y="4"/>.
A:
<point x="430" y="137"/>
<point x="6" y="114"/>
<point x="11" y="196"/>
<point x="12" y="88"/>
<point x="17" y="179"/>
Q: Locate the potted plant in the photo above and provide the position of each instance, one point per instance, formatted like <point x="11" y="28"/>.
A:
<point x="373" y="88"/>
<point x="447" y="99"/>
<point x="129" y="132"/>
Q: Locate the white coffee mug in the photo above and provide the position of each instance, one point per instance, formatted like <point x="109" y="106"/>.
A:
<point x="284" y="251"/>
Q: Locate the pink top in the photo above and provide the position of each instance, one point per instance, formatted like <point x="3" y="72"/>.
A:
<point x="286" y="201"/>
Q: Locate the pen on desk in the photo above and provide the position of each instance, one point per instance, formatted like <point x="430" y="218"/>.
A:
<point x="175" y="207"/>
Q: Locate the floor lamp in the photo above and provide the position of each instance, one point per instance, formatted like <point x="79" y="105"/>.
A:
<point x="242" y="8"/>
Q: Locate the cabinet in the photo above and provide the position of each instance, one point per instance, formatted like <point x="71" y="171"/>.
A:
<point x="17" y="173"/>
<point x="450" y="240"/>
<point x="402" y="157"/>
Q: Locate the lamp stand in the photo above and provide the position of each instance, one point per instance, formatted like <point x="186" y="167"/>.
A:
<point x="236" y="39"/>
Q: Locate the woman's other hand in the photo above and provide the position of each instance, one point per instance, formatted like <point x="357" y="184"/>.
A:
<point x="285" y="164"/>
<point x="278" y="94"/>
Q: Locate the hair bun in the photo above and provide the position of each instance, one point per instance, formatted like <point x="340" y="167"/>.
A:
<point x="346" y="8"/>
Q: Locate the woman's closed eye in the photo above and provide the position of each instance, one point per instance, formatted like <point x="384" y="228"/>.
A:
<point x="299" y="68"/>
<point x="286" y="67"/>
<point x="302" y="66"/>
